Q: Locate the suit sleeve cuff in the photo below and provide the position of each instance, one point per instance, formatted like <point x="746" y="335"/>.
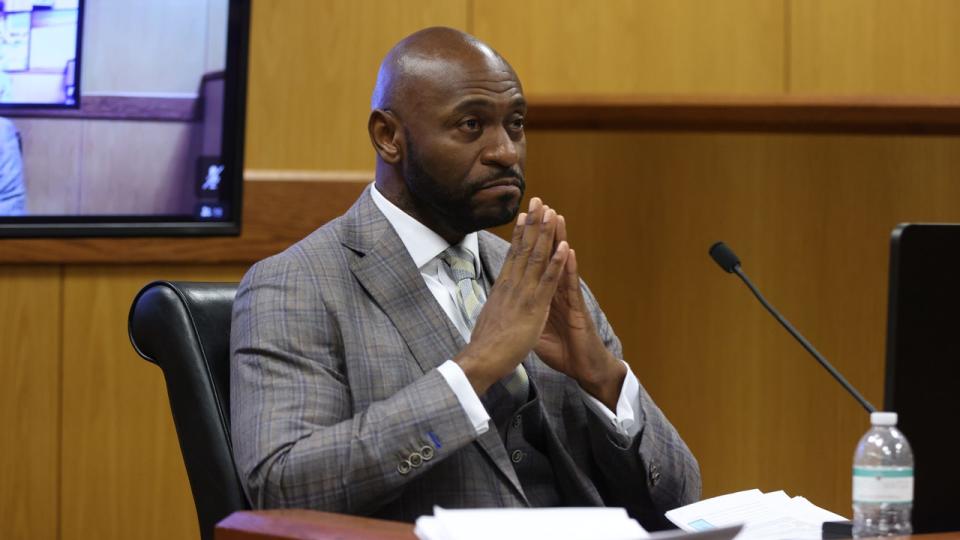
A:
<point x="457" y="379"/>
<point x="625" y="421"/>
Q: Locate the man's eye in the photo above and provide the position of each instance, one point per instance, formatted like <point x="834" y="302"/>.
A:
<point x="517" y="123"/>
<point x="471" y="124"/>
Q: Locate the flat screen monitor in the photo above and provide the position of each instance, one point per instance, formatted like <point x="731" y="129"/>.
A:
<point x="122" y="117"/>
<point x="923" y="364"/>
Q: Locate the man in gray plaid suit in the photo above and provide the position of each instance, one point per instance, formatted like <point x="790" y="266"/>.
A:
<point x="397" y="358"/>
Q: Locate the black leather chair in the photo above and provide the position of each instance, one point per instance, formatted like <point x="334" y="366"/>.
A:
<point x="185" y="329"/>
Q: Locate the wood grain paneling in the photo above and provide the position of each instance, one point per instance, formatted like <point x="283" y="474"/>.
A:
<point x="122" y="469"/>
<point x="312" y="69"/>
<point x="631" y="46"/>
<point x="875" y="47"/>
<point x="29" y="401"/>
<point x="51" y="164"/>
<point x="774" y="114"/>
<point x="273" y="524"/>
<point x="120" y="107"/>
<point x="119" y="178"/>
<point x="275" y="215"/>
<point x="810" y="216"/>
<point x="83" y="167"/>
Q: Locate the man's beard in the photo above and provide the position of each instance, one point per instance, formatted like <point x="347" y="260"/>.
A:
<point x="453" y="204"/>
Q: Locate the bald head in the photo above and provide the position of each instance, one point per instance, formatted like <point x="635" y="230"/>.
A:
<point x="426" y="57"/>
<point x="447" y="126"/>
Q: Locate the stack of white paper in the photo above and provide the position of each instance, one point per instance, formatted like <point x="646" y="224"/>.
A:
<point x="553" y="523"/>
<point x="765" y="516"/>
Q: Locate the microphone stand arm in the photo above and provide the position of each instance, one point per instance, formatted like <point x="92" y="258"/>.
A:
<point x="803" y="341"/>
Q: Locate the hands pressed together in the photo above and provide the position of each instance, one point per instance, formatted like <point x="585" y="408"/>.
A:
<point x="536" y="304"/>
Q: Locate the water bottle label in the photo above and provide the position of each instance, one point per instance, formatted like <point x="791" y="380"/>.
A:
<point x="882" y="484"/>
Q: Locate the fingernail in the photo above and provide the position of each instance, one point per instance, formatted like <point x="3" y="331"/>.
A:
<point x="522" y="218"/>
<point x="548" y="215"/>
<point x="534" y="202"/>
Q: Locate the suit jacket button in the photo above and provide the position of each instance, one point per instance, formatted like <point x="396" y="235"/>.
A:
<point x="427" y="452"/>
<point x="654" y="474"/>
<point x="416" y="460"/>
<point x="516" y="456"/>
<point x="404" y="467"/>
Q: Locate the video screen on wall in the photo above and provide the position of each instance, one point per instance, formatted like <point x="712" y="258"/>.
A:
<point x="121" y="117"/>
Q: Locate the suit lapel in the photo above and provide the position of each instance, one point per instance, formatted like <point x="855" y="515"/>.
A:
<point x="492" y="254"/>
<point x="384" y="268"/>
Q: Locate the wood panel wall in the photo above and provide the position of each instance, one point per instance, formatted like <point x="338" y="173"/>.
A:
<point x="874" y="47"/>
<point x="312" y="69"/>
<point x="30" y="402"/>
<point x="121" y="464"/>
<point x="89" y="449"/>
<point x="629" y="46"/>
<point x="810" y="216"/>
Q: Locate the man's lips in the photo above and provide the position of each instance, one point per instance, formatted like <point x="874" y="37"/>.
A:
<point x="503" y="182"/>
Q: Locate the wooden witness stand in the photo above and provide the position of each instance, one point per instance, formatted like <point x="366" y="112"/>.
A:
<point x="309" y="525"/>
<point x="313" y="525"/>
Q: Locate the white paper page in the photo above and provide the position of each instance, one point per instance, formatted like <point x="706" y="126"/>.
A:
<point x="780" y="527"/>
<point x="730" y="509"/>
<point x="800" y="506"/>
<point x="430" y="528"/>
<point x="554" y="523"/>
<point x="771" y="516"/>
<point x="776" y="498"/>
<point x="723" y="533"/>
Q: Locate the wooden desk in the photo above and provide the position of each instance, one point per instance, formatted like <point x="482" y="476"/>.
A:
<point x="311" y="525"/>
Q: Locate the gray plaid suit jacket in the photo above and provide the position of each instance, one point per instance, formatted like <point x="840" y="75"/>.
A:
<point x="335" y="345"/>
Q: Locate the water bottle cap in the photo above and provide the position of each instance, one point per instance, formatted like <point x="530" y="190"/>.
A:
<point x="880" y="418"/>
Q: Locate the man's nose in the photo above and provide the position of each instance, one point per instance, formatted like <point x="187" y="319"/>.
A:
<point x="502" y="150"/>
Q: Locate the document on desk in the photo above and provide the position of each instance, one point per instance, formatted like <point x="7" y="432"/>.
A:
<point x="506" y="523"/>
<point x="552" y="523"/>
<point x="765" y="516"/>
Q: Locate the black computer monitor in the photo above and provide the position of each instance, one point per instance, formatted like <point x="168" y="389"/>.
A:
<point x="923" y="364"/>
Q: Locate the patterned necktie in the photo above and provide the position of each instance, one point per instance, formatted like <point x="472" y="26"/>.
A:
<point x="460" y="261"/>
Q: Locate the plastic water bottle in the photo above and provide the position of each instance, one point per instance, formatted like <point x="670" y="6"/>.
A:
<point x="882" y="480"/>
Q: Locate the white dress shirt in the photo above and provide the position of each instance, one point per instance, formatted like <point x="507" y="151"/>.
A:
<point x="424" y="247"/>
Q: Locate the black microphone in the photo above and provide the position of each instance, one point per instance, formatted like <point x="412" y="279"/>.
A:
<point x="728" y="260"/>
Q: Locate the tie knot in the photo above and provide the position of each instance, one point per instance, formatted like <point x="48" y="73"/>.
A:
<point x="460" y="261"/>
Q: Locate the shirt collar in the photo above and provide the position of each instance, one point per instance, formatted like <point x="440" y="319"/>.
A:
<point x="422" y="243"/>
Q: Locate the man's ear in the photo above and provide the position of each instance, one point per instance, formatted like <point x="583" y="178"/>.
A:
<point x="386" y="134"/>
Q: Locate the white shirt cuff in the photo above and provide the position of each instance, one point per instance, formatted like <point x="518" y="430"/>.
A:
<point x="457" y="379"/>
<point x="624" y="421"/>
